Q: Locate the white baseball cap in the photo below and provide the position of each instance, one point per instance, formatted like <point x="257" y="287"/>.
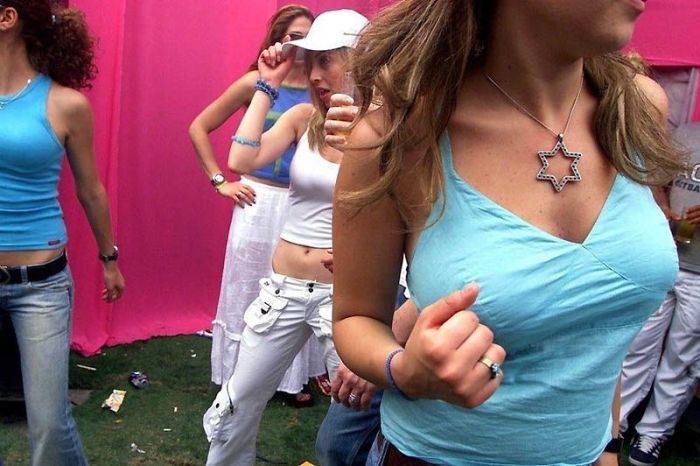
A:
<point x="332" y="30"/>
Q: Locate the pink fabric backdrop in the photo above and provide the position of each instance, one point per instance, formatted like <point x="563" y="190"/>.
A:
<point x="161" y="62"/>
<point x="667" y="34"/>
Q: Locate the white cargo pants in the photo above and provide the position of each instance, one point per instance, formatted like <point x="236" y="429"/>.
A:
<point x="670" y="376"/>
<point x="278" y="323"/>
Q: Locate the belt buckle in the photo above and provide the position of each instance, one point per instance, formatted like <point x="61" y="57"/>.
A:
<point x="5" y="276"/>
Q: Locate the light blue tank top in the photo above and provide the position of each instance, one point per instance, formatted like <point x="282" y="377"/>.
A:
<point x="278" y="171"/>
<point x="565" y="312"/>
<point x="30" y="164"/>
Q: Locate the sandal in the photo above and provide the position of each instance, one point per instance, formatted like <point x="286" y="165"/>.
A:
<point x="303" y="399"/>
<point x="323" y="384"/>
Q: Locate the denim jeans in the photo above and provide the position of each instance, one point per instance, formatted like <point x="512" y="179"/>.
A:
<point x="41" y="315"/>
<point x="346" y="434"/>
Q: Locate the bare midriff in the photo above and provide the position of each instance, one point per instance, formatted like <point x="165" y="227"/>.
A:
<point x="16" y="258"/>
<point x="302" y="262"/>
<point x="267" y="182"/>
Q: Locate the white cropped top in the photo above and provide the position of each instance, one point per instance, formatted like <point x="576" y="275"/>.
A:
<point x="311" y="185"/>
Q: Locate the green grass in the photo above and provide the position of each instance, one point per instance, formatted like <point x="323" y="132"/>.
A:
<point x="178" y="370"/>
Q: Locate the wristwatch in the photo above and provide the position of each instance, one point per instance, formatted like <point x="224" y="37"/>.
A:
<point x="112" y="257"/>
<point x="217" y="180"/>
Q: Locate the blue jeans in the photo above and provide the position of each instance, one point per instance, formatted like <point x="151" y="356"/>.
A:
<point x="346" y="435"/>
<point x="41" y="315"/>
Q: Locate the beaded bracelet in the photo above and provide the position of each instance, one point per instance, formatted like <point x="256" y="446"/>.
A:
<point x="245" y="141"/>
<point x="264" y="86"/>
<point x="390" y="376"/>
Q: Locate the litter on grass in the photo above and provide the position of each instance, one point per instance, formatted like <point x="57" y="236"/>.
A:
<point x="115" y="400"/>
<point x="87" y="368"/>
<point x="138" y="379"/>
<point x="135" y="449"/>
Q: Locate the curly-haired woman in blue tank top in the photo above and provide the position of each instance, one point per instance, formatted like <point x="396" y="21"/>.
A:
<point x="510" y="160"/>
<point x="46" y="54"/>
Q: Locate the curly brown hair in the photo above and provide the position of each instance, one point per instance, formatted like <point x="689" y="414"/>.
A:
<point x="57" y="39"/>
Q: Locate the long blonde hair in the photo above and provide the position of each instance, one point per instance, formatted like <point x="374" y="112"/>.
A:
<point x="415" y="55"/>
<point x="317" y="133"/>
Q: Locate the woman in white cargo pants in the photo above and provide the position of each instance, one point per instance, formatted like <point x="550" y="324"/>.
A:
<point x="296" y="300"/>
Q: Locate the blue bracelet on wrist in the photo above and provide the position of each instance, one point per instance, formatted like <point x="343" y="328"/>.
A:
<point x="245" y="141"/>
<point x="390" y="376"/>
<point x="264" y="86"/>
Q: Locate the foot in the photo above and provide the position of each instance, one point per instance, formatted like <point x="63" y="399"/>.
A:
<point x="645" y="450"/>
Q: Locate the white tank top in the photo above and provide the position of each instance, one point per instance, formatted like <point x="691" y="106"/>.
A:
<point x="311" y="185"/>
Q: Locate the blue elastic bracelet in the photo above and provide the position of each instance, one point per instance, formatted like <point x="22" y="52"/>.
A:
<point x="390" y="376"/>
<point x="264" y="86"/>
<point x="245" y="141"/>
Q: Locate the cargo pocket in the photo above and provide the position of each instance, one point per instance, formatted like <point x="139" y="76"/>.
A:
<point x="264" y="311"/>
<point x="325" y="318"/>
<point x="217" y="421"/>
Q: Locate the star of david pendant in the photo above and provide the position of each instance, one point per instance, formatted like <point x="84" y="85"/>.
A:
<point x="559" y="147"/>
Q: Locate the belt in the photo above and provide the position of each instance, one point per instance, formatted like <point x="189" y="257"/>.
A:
<point x="393" y="457"/>
<point x="32" y="273"/>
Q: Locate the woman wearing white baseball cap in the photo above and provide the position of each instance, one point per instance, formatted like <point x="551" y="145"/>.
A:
<point x="296" y="300"/>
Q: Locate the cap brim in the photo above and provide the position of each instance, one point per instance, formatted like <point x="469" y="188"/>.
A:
<point x="308" y="44"/>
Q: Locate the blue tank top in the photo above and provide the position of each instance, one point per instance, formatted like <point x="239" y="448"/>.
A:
<point x="30" y="164"/>
<point x="565" y="312"/>
<point x="278" y="171"/>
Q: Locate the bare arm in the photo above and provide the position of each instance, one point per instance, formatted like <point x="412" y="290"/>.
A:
<point x="239" y="94"/>
<point x="91" y="194"/>
<point x="244" y="158"/>
<point x="441" y="357"/>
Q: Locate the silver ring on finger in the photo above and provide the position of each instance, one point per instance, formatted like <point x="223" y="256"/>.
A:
<point x="353" y="399"/>
<point x="493" y="367"/>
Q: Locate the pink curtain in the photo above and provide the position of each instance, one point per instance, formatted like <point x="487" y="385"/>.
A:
<point x="161" y="62"/>
<point x="667" y="35"/>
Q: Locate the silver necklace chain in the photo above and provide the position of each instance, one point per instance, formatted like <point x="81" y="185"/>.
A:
<point x="560" y="147"/>
<point x="525" y="111"/>
<point x="5" y="103"/>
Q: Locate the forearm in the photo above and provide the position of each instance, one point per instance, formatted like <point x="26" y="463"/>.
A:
<point x="363" y="344"/>
<point x="96" y="207"/>
<point x="243" y="157"/>
<point x="204" y="150"/>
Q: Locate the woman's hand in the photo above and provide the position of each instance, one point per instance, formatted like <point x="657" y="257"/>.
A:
<point x="114" y="282"/>
<point x="274" y="64"/>
<point x="443" y="355"/>
<point x="239" y="192"/>
<point x="351" y="390"/>
<point x="338" y="119"/>
<point x="327" y="261"/>
<point x="692" y="215"/>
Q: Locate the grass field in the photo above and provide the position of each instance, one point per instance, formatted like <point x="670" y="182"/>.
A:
<point x="178" y="371"/>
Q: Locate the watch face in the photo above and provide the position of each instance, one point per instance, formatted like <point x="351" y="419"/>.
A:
<point x="217" y="179"/>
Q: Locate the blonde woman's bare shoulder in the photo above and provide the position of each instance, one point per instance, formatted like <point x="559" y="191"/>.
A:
<point x="654" y="92"/>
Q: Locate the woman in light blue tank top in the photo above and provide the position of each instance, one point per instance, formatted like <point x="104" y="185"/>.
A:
<point x="46" y="55"/>
<point x="259" y="210"/>
<point x="514" y="174"/>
